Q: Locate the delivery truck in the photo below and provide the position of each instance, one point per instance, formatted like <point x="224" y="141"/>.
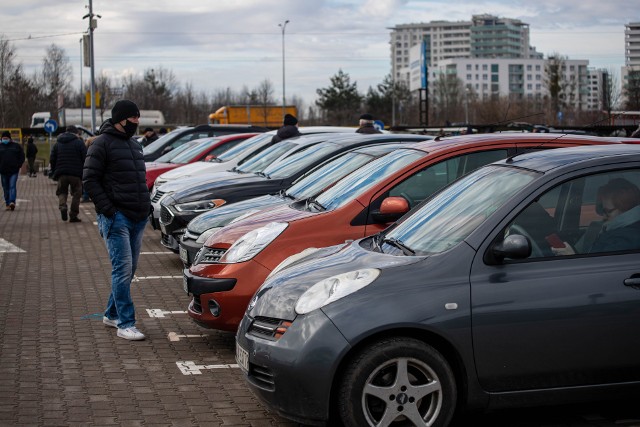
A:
<point x="258" y="115"/>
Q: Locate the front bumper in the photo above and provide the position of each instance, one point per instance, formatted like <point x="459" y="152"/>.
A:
<point x="217" y="305"/>
<point x="188" y="249"/>
<point x="294" y="374"/>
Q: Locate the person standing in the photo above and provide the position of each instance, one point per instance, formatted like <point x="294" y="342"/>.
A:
<point x="366" y="124"/>
<point x="32" y="151"/>
<point x="67" y="163"/>
<point x="289" y="129"/>
<point x="114" y="177"/>
<point x="149" y="136"/>
<point x="11" y="160"/>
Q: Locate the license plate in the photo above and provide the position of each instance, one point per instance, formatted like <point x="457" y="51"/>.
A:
<point x="242" y="358"/>
<point x="185" y="283"/>
<point x="184" y="256"/>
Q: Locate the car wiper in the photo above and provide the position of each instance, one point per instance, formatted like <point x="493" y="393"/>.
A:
<point x="398" y="244"/>
<point x="376" y="242"/>
<point x="311" y="202"/>
<point x="262" y="174"/>
<point x="283" y="194"/>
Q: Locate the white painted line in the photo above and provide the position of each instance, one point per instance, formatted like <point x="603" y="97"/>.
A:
<point x="175" y="337"/>
<point x="157" y="253"/>
<point x="138" y="278"/>
<point x="190" y="368"/>
<point x="8" y="247"/>
<point x="158" y="312"/>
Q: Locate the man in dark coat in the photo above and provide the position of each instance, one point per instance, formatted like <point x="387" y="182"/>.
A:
<point x="289" y="129"/>
<point x="32" y="151"/>
<point x="67" y="161"/>
<point x="366" y="124"/>
<point x="11" y="160"/>
<point x="114" y="177"/>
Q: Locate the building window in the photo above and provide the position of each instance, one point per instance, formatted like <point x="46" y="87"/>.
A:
<point x="537" y="67"/>
<point x="468" y="67"/>
<point x="485" y="77"/>
<point x="529" y="86"/>
<point x="485" y="67"/>
<point x="468" y="76"/>
<point x="494" y="77"/>
<point x="528" y="67"/>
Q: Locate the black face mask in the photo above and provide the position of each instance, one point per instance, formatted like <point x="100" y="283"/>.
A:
<point x="130" y="128"/>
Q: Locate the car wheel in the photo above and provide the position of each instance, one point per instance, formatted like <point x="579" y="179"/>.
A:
<point x="397" y="382"/>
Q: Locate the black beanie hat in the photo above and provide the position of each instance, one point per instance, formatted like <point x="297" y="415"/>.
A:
<point x="289" y="120"/>
<point x="6" y="134"/>
<point x="366" y="116"/>
<point x="123" y="110"/>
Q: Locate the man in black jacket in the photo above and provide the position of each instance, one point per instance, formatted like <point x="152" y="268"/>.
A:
<point x="11" y="160"/>
<point x="67" y="160"/>
<point x="366" y="124"/>
<point x="114" y="177"/>
<point x="289" y="129"/>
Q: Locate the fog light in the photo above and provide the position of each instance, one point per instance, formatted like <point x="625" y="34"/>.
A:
<point x="214" y="308"/>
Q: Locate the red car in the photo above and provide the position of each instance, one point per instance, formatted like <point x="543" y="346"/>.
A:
<point x="237" y="259"/>
<point x="193" y="151"/>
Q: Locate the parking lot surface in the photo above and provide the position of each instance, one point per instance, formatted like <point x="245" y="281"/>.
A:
<point x="60" y="366"/>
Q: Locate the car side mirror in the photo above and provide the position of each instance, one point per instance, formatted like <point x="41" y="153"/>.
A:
<point x="209" y="158"/>
<point x="391" y="209"/>
<point x="514" y="246"/>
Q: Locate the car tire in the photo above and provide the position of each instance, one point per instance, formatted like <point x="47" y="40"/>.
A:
<point x="371" y="392"/>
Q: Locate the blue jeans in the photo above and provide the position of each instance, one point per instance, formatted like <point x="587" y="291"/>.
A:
<point x="9" y="183"/>
<point x="123" y="238"/>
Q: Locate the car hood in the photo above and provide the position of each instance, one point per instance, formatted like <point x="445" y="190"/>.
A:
<point x="153" y="166"/>
<point x="223" y="215"/>
<point x="232" y="232"/>
<point x="199" y="181"/>
<point x="277" y="297"/>
<point x="197" y="168"/>
<point x="226" y="185"/>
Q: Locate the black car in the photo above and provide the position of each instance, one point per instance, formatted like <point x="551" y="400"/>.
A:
<point x="179" y="136"/>
<point x="259" y="176"/>
<point x="518" y="284"/>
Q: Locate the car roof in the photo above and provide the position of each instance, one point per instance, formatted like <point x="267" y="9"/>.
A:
<point x="547" y="160"/>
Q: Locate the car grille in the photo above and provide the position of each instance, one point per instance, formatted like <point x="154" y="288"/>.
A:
<point x="262" y="375"/>
<point x="165" y="215"/>
<point x="268" y="327"/>
<point x="165" y="240"/>
<point x="157" y="196"/>
<point x="209" y="255"/>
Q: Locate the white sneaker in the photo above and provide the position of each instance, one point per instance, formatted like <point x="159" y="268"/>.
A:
<point x="110" y="322"/>
<point x="132" y="333"/>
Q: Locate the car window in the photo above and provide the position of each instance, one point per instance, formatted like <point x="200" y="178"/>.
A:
<point x="247" y="146"/>
<point x="456" y="211"/>
<point x="298" y="161"/>
<point x="224" y="147"/>
<point x="167" y="157"/>
<point x="593" y="214"/>
<point x="159" y="143"/>
<point x="268" y="156"/>
<point x="193" y="148"/>
<point x="431" y="179"/>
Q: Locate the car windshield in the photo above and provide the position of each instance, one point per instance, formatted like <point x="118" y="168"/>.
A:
<point x="259" y="162"/>
<point x="194" y="150"/>
<point x="364" y="178"/>
<point x="455" y="212"/>
<point x="171" y="155"/>
<point x="300" y="160"/>
<point x="328" y="173"/>
<point x="245" y="147"/>
<point x="159" y="143"/>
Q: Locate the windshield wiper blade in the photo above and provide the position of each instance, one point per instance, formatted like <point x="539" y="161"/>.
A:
<point x="398" y="244"/>
<point x="315" y="204"/>
<point x="262" y="174"/>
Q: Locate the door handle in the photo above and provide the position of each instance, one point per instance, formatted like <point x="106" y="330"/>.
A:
<point x="633" y="281"/>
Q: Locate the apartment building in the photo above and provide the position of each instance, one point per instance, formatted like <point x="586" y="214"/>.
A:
<point x="631" y="52"/>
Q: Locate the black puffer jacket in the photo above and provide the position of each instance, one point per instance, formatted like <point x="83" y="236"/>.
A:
<point x="67" y="156"/>
<point x="288" y="131"/>
<point x="11" y="158"/>
<point x="114" y="175"/>
<point x="367" y="129"/>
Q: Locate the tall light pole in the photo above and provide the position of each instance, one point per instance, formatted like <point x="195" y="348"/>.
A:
<point x="283" y="26"/>
<point x="93" y="23"/>
<point x="81" y="92"/>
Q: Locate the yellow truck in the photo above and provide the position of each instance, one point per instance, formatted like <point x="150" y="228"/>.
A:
<point x="258" y="115"/>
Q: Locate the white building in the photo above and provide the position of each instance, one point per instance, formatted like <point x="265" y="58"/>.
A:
<point x="631" y="51"/>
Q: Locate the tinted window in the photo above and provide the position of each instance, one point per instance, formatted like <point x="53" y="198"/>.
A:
<point x="268" y="156"/>
<point x="246" y="147"/>
<point x="299" y="161"/>
<point x="598" y="213"/>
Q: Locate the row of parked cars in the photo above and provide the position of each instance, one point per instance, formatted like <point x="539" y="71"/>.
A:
<point x="392" y="279"/>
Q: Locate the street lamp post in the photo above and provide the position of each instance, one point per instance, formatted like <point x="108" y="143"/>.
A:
<point x="81" y="91"/>
<point x="93" y="23"/>
<point x="283" y="26"/>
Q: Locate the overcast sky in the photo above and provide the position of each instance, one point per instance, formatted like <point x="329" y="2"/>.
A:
<point x="214" y="44"/>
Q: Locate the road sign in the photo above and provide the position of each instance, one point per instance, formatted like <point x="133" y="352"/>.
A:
<point x="50" y="126"/>
<point x="378" y="124"/>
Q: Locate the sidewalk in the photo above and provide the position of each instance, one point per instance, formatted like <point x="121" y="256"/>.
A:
<point x="60" y="366"/>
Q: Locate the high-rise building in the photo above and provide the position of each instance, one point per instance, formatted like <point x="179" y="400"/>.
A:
<point x="632" y="45"/>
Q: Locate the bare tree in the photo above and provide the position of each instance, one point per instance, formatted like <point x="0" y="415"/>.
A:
<point x="448" y="90"/>
<point x="57" y="74"/>
<point x="264" y="94"/>
<point x="8" y="68"/>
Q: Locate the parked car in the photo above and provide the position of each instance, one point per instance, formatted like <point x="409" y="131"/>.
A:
<point x="309" y="185"/>
<point x="473" y="300"/>
<point x="273" y="170"/>
<point x="235" y="260"/>
<point x="182" y="177"/>
<point x="193" y="151"/>
<point x="179" y="136"/>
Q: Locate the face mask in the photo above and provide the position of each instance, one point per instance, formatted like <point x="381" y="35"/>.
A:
<point x="130" y="128"/>
<point x="5" y="141"/>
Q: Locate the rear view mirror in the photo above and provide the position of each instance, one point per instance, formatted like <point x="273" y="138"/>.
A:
<point x="514" y="246"/>
<point x="391" y="209"/>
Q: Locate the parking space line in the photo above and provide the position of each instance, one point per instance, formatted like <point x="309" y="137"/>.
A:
<point x="157" y="253"/>
<point x="160" y="313"/>
<point x="138" y="278"/>
<point x="8" y="247"/>
<point x="188" y="367"/>
<point x="175" y="337"/>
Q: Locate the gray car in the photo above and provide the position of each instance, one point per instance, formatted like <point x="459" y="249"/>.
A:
<point x="518" y="284"/>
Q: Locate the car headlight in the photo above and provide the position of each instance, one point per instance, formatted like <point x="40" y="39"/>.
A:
<point x="205" y="235"/>
<point x="333" y="288"/>
<point x="249" y="245"/>
<point x="199" y="205"/>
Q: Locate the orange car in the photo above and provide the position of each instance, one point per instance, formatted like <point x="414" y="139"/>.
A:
<point x="236" y="260"/>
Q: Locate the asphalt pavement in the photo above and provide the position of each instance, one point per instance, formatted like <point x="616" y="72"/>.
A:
<point x="60" y="366"/>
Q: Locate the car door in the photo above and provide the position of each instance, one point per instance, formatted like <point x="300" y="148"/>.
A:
<point x="568" y="314"/>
